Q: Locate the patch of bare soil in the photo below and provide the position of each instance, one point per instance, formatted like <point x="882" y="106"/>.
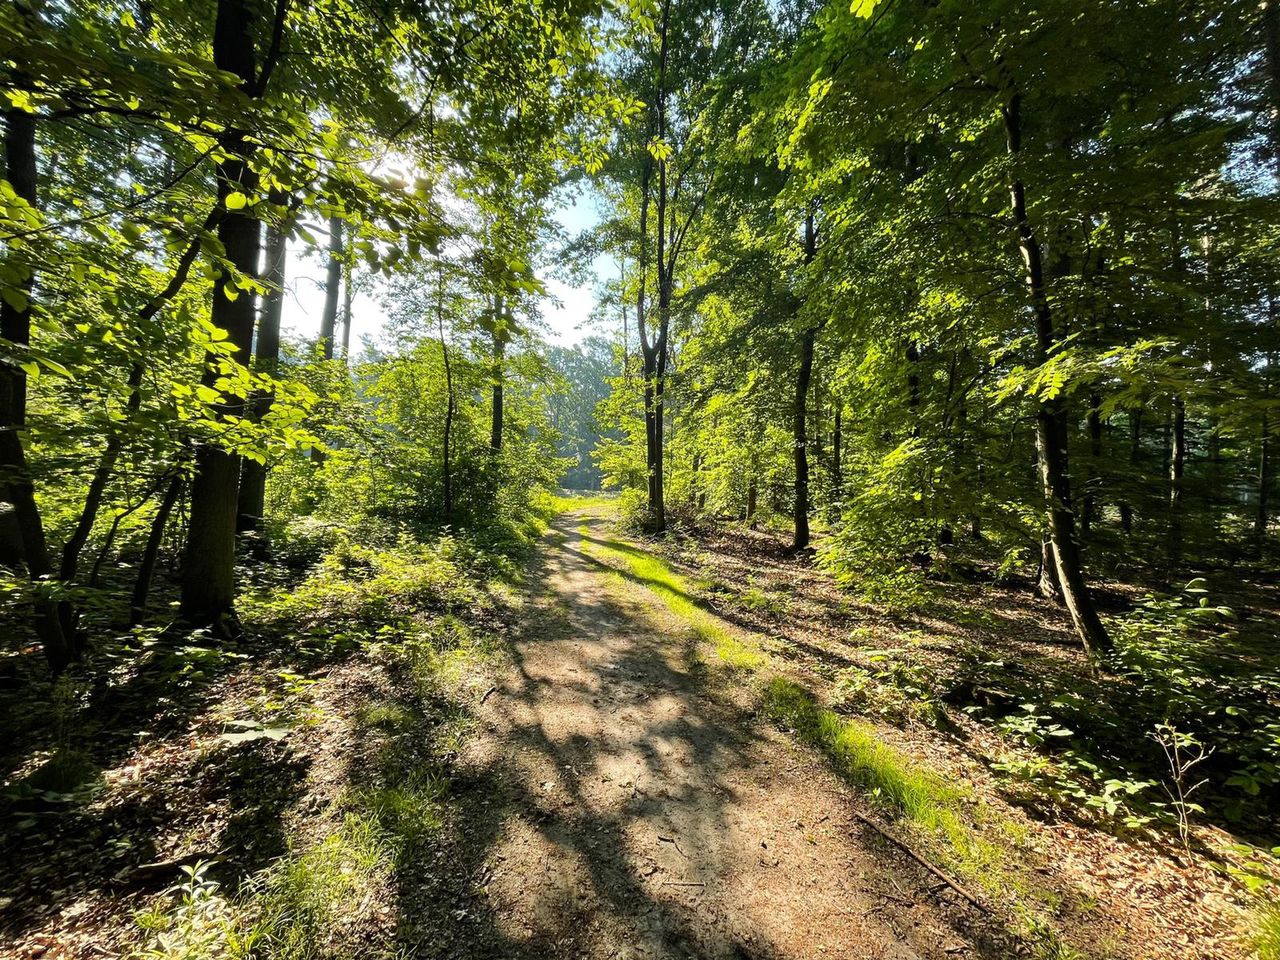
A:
<point x="1122" y="896"/>
<point x="623" y="806"/>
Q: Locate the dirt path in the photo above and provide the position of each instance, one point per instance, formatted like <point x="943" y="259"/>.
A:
<point x="621" y="804"/>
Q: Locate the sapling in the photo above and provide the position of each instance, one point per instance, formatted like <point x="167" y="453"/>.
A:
<point x="1182" y="751"/>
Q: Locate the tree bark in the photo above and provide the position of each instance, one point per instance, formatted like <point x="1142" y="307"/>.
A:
<point x="332" y="287"/>
<point x="499" y="356"/>
<point x="147" y="569"/>
<point x="800" y="516"/>
<point x="1050" y="430"/>
<point x="60" y="648"/>
<point x="1095" y="464"/>
<point x="447" y="466"/>
<point x="837" y="468"/>
<point x="653" y="351"/>
<point x="1177" y="466"/>
<point x="115" y="442"/>
<point x="1271" y="31"/>
<point x="799" y="412"/>
<point x="1262" y="517"/>
<point x="1047" y="584"/>
<point x="266" y="358"/>
<point x="1135" y="457"/>
<point x="348" y="268"/>
<point x="208" y="582"/>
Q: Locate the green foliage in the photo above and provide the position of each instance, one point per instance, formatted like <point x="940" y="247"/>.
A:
<point x="1181" y="687"/>
<point x="894" y="686"/>
<point x="1265" y="936"/>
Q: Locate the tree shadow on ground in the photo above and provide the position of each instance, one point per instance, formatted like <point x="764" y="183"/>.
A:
<point x="534" y="863"/>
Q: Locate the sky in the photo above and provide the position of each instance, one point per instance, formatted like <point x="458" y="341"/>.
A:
<point x="566" y="320"/>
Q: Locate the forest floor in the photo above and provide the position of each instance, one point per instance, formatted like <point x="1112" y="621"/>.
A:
<point x="637" y="751"/>
<point x="641" y="808"/>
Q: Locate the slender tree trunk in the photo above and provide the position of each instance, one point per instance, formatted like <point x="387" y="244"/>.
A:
<point x="1135" y="457"/>
<point x="147" y="569"/>
<point x="1051" y="434"/>
<point x="1095" y="464"/>
<point x="799" y="411"/>
<point x="658" y="509"/>
<point x="1271" y="30"/>
<point x="266" y="358"/>
<point x="332" y="287"/>
<point x="115" y="441"/>
<point x="654" y="351"/>
<point x="499" y="357"/>
<point x="837" y="467"/>
<point x="448" y="433"/>
<point x="1262" y="517"/>
<point x="913" y="386"/>
<point x="60" y="648"/>
<point x="348" y="268"/>
<point x="208" y="582"/>
<point x="800" y="517"/>
<point x="1177" y="466"/>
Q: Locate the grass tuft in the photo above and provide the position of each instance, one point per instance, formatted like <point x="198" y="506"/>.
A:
<point x="1265" y="936"/>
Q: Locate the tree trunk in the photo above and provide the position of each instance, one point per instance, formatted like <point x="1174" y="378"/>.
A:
<point x="1177" y="466"/>
<point x="266" y="358"/>
<point x="837" y="468"/>
<point x="499" y="355"/>
<point x="1135" y="457"/>
<point x="447" y="465"/>
<point x="913" y="386"/>
<point x="332" y="287"/>
<point x="1262" y="518"/>
<point x="208" y="581"/>
<point x="1095" y="464"/>
<point x="799" y="411"/>
<point x="800" y="516"/>
<point x="348" y="268"/>
<point x="1271" y="30"/>
<point x="1047" y="584"/>
<point x="654" y="351"/>
<point x="60" y="648"/>
<point x="147" y="569"/>
<point x="1051" y="434"/>
<point x="115" y="442"/>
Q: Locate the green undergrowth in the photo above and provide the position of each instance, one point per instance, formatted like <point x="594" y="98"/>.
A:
<point x="567" y="500"/>
<point x="1265" y="936"/>
<point x="966" y="838"/>
<point x="321" y="898"/>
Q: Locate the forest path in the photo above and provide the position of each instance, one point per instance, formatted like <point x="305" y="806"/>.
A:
<point x="623" y="804"/>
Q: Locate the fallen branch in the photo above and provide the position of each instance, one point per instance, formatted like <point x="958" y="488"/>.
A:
<point x="487" y="693"/>
<point x="683" y="883"/>
<point x="672" y="841"/>
<point x="889" y="835"/>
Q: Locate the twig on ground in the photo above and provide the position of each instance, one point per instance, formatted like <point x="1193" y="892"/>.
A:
<point x="889" y="835"/>
<point x="683" y="883"/>
<point x="487" y="693"/>
<point x="672" y="841"/>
